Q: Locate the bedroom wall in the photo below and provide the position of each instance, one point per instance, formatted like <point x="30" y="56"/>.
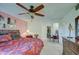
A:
<point x="40" y="26"/>
<point x="20" y="24"/>
<point x="69" y="19"/>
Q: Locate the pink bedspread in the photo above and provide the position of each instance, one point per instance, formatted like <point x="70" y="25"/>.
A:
<point x="23" y="46"/>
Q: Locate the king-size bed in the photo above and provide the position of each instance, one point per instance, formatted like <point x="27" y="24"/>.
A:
<point x="15" y="45"/>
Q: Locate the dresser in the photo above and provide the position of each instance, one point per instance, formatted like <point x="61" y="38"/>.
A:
<point x="70" y="48"/>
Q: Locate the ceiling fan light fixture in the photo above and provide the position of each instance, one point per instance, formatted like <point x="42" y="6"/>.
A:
<point x="31" y="6"/>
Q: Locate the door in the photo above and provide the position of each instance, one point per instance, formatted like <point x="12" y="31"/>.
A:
<point x="48" y="31"/>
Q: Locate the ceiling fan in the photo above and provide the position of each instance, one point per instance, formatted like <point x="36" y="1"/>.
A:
<point x="32" y="10"/>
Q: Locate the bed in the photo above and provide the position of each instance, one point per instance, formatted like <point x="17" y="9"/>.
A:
<point x="19" y="46"/>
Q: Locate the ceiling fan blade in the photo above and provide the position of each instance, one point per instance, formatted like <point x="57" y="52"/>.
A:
<point x="21" y="13"/>
<point x="20" y="5"/>
<point x="39" y="14"/>
<point x="39" y="8"/>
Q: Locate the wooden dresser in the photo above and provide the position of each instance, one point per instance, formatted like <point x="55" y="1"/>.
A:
<point x="70" y="48"/>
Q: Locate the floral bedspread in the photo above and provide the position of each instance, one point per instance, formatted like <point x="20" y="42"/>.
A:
<point x="22" y="46"/>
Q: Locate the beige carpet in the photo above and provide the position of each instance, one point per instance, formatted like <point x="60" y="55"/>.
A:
<point x="52" y="48"/>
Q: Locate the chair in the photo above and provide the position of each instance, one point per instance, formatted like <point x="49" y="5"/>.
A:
<point x="54" y="38"/>
<point x="77" y="39"/>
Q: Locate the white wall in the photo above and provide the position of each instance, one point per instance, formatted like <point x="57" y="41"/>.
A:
<point x="40" y="26"/>
<point x="69" y="19"/>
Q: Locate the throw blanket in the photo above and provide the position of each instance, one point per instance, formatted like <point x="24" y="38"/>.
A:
<point x="22" y="46"/>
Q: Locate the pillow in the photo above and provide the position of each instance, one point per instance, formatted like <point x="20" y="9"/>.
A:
<point x="29" y="36"/>
<point x="15" y="36"/>
<point x="5" y="38"/>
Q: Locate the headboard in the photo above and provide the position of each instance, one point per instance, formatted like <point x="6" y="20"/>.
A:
<point x="3" y="32"/>
<point x="15" y="34"/>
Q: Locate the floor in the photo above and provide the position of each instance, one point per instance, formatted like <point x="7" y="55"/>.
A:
<point x="52" y="48"/>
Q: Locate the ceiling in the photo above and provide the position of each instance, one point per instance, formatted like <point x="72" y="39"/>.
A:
<point x="52" y="11"/>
